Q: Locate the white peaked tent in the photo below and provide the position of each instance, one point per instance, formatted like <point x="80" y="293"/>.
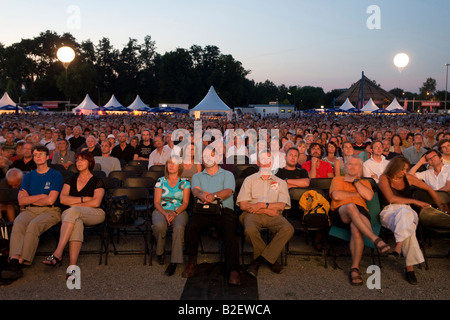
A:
<point x="370" y="106"/>
<point x="6" y="101"/>
<point x="139" y="105"/>
<point x="394" y="106"/>
<point x="7" y="105"/>
<point x="87" y="106"/>
<point x="347" y="105"/>
<point x="211" y="103"/>
<point x="112" y="103"/>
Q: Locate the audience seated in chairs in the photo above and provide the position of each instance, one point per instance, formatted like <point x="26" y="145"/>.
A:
<point x="349" y="210"/>
<point x="399" y="217"/>
<point x="62" y="154"/>
<point x="437" y="176"/>
<point x="170" y="210"/>
<point x="12" y="180"/>
<point x="213" y="182"/>
<point x="107" y="162"/>
<point x="39" y="194"/>
<point x="263" y="197"/>
<point x="83" y="193"/>
<point x="189" y="166"/>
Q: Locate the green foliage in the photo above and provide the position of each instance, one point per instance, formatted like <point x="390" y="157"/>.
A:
<point x="30" y="70"/>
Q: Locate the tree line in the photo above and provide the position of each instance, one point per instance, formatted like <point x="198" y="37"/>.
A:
<point x="30" y="71"/>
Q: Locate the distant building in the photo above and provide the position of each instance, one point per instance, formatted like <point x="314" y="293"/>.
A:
<point x="282" y="110"/>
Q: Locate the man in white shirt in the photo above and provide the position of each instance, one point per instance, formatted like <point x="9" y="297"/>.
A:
<point x="375" y="165"/>
<point x="437" y="176"/>
<point x="444" y="148"/>
<point x="161" y="154"/>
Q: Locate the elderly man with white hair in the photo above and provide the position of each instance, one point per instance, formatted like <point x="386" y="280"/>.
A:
<point x="13" y="180"/>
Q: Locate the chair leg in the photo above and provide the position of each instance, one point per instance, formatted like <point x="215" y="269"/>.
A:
<point x="422" y="245"/>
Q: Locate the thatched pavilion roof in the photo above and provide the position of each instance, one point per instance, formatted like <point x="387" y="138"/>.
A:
<point x="371" y="90"/>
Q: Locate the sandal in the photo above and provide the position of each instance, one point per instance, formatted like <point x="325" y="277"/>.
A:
<point x="52" y="261"/>
<point x="383" y="248"/>
<point x="353" y="278"/>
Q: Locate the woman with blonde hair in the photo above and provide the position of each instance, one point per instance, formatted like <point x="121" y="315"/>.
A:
<point x="171" y="199"/>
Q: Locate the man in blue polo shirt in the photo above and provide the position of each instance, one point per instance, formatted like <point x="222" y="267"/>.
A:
<point x="213" y="182"/>
<point x="39" y="194"/>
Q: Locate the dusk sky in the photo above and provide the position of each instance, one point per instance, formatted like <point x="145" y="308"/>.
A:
<point x="320" y="43"/>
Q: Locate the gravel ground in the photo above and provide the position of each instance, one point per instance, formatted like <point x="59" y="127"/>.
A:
<point x="304" y="278"/>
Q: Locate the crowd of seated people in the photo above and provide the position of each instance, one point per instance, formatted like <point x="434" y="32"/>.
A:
<point x="34" y="154"/>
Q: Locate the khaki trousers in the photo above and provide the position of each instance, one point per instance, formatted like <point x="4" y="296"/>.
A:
<point x="159" y="227"/>
<point x="280" y="227"/>
<point x="80" y="217"/>
<point x="27" y="228"/>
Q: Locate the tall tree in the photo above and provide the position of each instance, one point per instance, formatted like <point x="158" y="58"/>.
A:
<point x="428" y="88"/>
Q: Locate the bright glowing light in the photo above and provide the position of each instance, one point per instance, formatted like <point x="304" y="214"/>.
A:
<point x="65" y="54"/>
<point x="401" y="60"/>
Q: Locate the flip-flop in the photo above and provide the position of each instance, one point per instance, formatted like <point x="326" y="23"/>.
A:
<point x="353" y="278"/>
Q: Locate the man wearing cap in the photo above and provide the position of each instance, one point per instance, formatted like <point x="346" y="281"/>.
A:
<point x="112" y="140"/>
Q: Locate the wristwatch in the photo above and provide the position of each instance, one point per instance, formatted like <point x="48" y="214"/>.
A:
<point x="215" y="196"/>
<point x="355" y="181"/>
<point x="267" y="205"/>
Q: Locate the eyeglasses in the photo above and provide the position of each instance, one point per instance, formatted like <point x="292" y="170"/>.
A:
<point x="39" y="154"/>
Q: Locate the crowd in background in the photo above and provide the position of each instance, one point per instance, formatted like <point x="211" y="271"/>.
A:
<point x="325" y="145"/>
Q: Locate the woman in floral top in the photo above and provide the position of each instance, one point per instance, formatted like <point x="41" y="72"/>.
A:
<point x="171" y="200"/>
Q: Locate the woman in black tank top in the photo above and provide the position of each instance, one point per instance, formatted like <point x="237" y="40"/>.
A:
<point x="398" y="216"/>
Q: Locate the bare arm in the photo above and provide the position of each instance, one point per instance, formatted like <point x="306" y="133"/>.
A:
<point x="422" y="185"/>
<point x="392" y="198"/>
<point x="38" y="200"/>
<point x="274" y="209"/>
<point x="298" y="183"/>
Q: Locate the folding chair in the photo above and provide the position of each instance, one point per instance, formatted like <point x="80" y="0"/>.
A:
<point x="427" y="232"/>
<point x="158" y="168"/>
<point x="140" y="223"/>
<point x="144" y="182"/>
<point x="122" y="175"/>
<point x="295" y="217"/>
<point x="138" y="168"/>
<point x="374" y="208"/>
<point x="244" y="170"/>
<point x="153" y="174"/>
<point x="139" y="162"/>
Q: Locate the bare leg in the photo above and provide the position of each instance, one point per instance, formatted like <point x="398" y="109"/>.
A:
<point x="74" y="251"/>
<point x="349" y="213"/>
<point x="65" y="233"/>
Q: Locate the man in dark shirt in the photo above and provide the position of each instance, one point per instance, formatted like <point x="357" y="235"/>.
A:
<point x="77" y="140"/>
<point x="295" y="177"/>
<point x="144" y="149"/>
<point x="26" y="164"/>
<point x="123" y="151"/>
